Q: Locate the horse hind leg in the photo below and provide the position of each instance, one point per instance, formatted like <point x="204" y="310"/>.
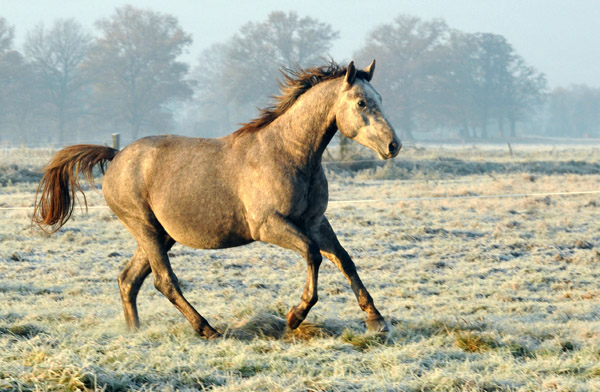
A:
<point x="130" y="281"/>
<point x="151" y="238"/>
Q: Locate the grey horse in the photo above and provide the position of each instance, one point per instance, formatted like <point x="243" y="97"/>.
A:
<point x="264" y="182"/>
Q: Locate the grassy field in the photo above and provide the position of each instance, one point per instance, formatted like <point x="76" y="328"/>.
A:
<point x="483" y="294"/>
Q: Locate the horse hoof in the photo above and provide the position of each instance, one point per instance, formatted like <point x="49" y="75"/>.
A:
<point x="378" y="325"/>
<point x="215" y="335"/>
<point x="293" y="321"/>
<point x="209" y="333"/>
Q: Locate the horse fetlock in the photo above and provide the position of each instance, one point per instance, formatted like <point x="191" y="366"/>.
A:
<point x="365" y="301"/>
<point x="310" y="300"/>
<point x="293" y="318"/>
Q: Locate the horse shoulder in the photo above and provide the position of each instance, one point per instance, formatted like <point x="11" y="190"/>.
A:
<point x="318" y="193"/>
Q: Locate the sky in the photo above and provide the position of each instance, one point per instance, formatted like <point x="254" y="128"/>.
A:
<point x="559" y="38"/>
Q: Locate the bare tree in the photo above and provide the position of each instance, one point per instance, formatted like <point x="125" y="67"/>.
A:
<point x="9" y="64"/>
<point x="241" y="74"/>
<point x="210" y="96"/>
<point x="436" y="76"/>
<point x="135" y="67"/>
<point x="17" y="98"/>
<point x="525" y="92"/>
<point x="259" y="50"/>
<point x="409" y="53"/>
<point x="7" y="34"/>
<point x="504" y="86"/>
<point x="574" y="111"/>
<point x="57" y="55"/>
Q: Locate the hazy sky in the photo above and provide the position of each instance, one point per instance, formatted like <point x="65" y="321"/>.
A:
<point x="560" y="38"/>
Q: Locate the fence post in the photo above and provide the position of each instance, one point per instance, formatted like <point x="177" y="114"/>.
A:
<point x="116" y="138"/>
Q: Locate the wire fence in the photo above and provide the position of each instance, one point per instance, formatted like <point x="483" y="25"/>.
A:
<point x="462" y="197"/>
<point x="401" y="199"/>
<point x="378" y="200"/>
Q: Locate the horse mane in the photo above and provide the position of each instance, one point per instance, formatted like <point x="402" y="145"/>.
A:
<point x="296" y="81"/>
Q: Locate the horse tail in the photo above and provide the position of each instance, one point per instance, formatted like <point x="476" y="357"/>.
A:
<point x="57" y="189"/>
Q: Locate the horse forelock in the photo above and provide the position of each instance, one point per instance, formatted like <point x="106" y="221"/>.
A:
<point x="296" y="81"/>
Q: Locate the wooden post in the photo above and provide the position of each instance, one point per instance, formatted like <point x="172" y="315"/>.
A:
<point x="116" y="140"/>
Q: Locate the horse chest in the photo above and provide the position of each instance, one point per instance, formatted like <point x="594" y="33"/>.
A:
<point x="307" y="198"/>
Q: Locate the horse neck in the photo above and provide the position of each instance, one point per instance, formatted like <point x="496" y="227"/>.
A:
<point x="308" y="126"/>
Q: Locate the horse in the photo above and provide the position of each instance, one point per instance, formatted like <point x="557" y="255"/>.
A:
<point x="264" y="182"/>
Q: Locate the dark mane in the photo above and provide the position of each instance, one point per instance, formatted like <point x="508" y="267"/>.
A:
<point x="296" y="81"/>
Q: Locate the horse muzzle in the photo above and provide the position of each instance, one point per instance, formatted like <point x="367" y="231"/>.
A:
<point x="390" y="150"/>
<point x="394" y="148"/>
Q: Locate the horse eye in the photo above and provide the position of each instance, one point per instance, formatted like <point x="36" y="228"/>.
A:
<point x="362" y="104"/>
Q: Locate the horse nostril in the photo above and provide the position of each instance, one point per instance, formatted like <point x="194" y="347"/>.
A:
<point x="393" y="147"/>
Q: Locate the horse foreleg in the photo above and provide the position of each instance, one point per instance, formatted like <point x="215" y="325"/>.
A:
<point x="298" y="313"/>
<point x="332" y="249"/>
<point x="279" y="231"/>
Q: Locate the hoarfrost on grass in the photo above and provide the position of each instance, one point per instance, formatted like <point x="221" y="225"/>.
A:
<point x="482" y="294"/>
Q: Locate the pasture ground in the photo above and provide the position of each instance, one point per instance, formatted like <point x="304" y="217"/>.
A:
<point x="483" y="294"/>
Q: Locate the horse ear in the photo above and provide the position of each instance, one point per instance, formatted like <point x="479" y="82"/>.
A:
<point x="350" y="76"/>
<point x="369" y="70"/>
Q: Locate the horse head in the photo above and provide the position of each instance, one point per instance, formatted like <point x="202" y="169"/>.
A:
<point x="359" y="115"/>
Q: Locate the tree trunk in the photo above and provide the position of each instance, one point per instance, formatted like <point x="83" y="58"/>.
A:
<point x="465" y="134"/>
<point x="61" y="125"/>
<point x="513" y="126"/>
<point x="484" y="123"/>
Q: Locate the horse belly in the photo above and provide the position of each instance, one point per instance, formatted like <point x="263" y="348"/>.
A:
<point x="205" y="225"/>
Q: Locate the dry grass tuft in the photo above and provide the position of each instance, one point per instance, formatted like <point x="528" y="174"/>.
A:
<point x="363" y="342"/>
<point x="22" y="330"/>
<point x="307" y="331"/>
<point x="261" y="325"/>
<point x="267" y="325"/>
<point x="483" y="295"/>
<point x="474" y="342"/>
<point x="54" y="375"/>
<point x="582" y="244"/>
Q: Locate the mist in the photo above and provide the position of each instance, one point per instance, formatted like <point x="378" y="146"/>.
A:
<point x="475" y="72"/>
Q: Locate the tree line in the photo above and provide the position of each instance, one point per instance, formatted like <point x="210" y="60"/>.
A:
<point x="65" y="85"/>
